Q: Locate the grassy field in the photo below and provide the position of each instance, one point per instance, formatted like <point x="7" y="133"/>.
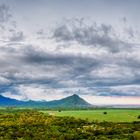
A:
<point x="114" y="115"/>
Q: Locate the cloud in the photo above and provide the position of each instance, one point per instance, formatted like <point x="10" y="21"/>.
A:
<point x="8" y="27"/>
<point x="4" y="14"/>
<point x="4" y="81"/>
<point x="94" y="35"/>
<point x="35" y="92"/>
<point x="55" y="71"/>
<point x="17" y="36"/>
<point x="84" y="58"/>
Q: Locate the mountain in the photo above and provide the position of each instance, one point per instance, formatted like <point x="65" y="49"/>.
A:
<point x="68" y="102"/>
<point x="71" y="101"/>
<point x="4" y="101"/>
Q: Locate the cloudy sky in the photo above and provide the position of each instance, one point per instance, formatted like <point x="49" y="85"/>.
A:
<point x="50" y="49"/>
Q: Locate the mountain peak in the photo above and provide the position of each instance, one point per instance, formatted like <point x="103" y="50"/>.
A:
<point x="74" y="95"/>
<point x="75" y="101"/>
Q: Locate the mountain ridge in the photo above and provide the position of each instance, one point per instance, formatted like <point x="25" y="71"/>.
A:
<point x="70" y="101"/>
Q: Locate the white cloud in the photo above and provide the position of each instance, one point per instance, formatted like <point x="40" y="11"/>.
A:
<point x="4" y="81"/>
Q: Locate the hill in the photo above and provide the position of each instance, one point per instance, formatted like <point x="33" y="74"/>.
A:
<point x="4" y="101"/>
<point x="68" y="102"/>
<point x="71" y="101"/>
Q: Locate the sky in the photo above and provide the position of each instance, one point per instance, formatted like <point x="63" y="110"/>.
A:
<point x="53" y="49"/>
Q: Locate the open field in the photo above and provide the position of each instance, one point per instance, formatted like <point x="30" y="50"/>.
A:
<point x="114" y="115"/>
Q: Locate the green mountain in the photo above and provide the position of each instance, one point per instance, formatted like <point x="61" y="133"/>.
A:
<point x="68" y="102"/>
<point x="71" y="101"/>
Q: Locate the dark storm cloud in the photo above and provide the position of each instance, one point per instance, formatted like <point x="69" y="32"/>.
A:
<point x="37" y="63"/>
<point x="71" y="65"/>
<point x="39" y="57"/>
<point x="119" y="94"/>
<point x="30" y="65"/>
<point x="104" y="35"/>
<point x="116" y="91"/>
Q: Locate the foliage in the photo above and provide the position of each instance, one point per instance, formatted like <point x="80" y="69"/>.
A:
<point x="136" y="135"/>
<point x="105" y="112"/>
<point x="33" y="125"/>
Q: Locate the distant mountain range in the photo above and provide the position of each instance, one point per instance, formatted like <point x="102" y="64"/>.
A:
<point x="68" y="102"/>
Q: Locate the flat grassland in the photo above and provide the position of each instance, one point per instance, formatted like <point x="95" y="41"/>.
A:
<point x="112" y="115"/>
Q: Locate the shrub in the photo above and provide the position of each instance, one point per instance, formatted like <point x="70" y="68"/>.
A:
<point x="136" y="135"/>
<point x="105" y="113"/>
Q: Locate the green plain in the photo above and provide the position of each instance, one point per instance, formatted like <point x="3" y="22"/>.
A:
<point x="113" y="115"/>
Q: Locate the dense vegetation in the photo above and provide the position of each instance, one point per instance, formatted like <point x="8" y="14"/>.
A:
<point x="33" y="125"/>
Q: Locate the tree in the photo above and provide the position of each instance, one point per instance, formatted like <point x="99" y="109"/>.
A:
<point x="105" y="113"/>
<point x="136" y="135"/>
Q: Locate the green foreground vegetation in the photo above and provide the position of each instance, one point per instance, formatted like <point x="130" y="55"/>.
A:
<point x="23" y="124"/>
<point x="112" y="115"/>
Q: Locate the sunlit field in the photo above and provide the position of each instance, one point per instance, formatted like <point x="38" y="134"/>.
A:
<point x="112" y="115"/>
